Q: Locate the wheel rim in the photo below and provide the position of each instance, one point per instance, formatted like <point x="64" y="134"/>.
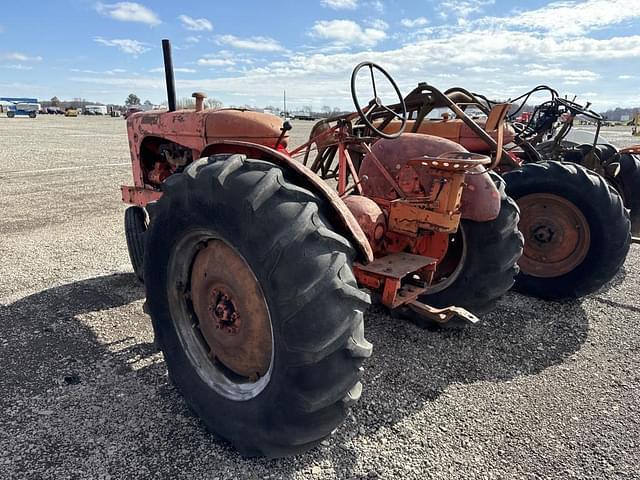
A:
<point x="557" y="235"/>
<point x="221" y="316"/>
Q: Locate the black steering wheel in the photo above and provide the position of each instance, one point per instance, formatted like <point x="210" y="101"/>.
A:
<point x="375" y="108"/>
<point x="578" y="109"/>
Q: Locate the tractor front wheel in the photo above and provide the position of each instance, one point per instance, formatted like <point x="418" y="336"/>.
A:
<point x="576" y="229"/>
<point x="135" y="226"/>
<point x="255" y="305"/>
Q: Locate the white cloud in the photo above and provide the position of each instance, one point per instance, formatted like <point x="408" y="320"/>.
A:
<point x="414" y="22"/>
<point x="463" y="8"/>
<point x="259" y="44"/>
<point x="215" y="62"/>
<point x="566" y="74"/>
<point x="128" y="12"/>
<point x="113" y="71"/>
<point x="177" y="69"/>
<point x="340" y="4"/>
<point x="132" y="47"/>
<point x="575" y="17"/>
<point x="481" y="69"/>
<point x="20" y="57"/>
<point x="347" y="32"/>
<point x="378" y="24"/>
<point x="192" y="39"/>
<point x="195" y="24"/>
<point x="499" y="57"/>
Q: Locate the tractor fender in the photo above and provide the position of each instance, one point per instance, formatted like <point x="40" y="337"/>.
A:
<point x="480" y="200"/>
<point x="348" y="223"/>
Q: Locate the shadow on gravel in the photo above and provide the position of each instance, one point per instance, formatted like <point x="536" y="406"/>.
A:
<point x="411" y="366"/>
<point x="45" y="347"/>
<point x="41" y="334"/>
<point x="60" y="383"/>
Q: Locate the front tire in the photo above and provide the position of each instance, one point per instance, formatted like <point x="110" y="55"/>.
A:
<point x="246" y="216"/>
<point x="135" y="227"/>
<point x="577" y="232"/>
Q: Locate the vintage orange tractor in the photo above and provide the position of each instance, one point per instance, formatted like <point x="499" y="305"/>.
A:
<point x="257" y="271"/>
<point x="576" y="229"/>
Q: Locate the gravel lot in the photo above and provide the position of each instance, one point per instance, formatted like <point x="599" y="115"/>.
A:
<point x="538" y="390"/>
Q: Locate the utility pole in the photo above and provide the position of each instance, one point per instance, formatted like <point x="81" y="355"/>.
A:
<point x="285" y="102"/>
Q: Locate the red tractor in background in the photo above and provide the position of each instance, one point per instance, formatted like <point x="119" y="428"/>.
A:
<point x="576" y="229"/>
<point x="257" y="271"/>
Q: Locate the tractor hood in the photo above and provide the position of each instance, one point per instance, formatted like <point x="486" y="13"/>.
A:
<point x="198" y="129"/>
<point x="244" y="125"/>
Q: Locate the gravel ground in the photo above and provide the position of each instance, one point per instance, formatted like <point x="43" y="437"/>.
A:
<point x="538" y="390"/>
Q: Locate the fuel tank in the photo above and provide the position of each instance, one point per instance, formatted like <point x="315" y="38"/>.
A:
<point x="455" y="130"/>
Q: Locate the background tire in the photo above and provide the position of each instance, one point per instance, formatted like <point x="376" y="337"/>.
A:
<point x="603" y="211"/>
<point x="489" y="267"/>
<point x="304" y="270"/>
<point x="135" y="226"/>
<point x="628" y="184"/>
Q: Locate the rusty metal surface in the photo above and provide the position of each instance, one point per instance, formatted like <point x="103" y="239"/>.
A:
<point x="393" y="155"/>
<point x="246" y="126"/>
<point x="369" y="216"/>
<point x="387" y="274"/>
<point x="556" y="233"/>
<point x="480" y="199"/>
<point x="138" y="195"/>
<point x="397" y="265"/>
<point x="442" y="315"/>
<point x="231" y="310"/>
<point x="457" y="131"/>
<point x="184" y="127"/>
<point x="411" y="216"/>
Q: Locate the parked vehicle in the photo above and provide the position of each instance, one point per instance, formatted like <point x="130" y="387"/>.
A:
<point x="71" y="112"/>
<point x="131" y="110"/>
<point x="24" y="110"/>
<point x="95" y="110"/>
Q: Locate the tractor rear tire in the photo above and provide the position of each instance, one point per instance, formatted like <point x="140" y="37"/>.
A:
<point x="135" y="226"/>
<point x="490" y="263"/>
<point x="576" y="229"/>
<point x="628" y="184"/>
<point x="289" y="267"/>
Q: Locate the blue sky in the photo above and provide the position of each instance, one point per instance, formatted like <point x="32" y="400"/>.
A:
<point x="247" y="52"/>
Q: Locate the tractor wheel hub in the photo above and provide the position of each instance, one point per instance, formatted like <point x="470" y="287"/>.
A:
<point x="557" y="235"/>
<point x="231" y="311"/>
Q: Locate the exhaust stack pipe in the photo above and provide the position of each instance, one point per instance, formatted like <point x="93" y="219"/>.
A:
<point x="168" y="73"/>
